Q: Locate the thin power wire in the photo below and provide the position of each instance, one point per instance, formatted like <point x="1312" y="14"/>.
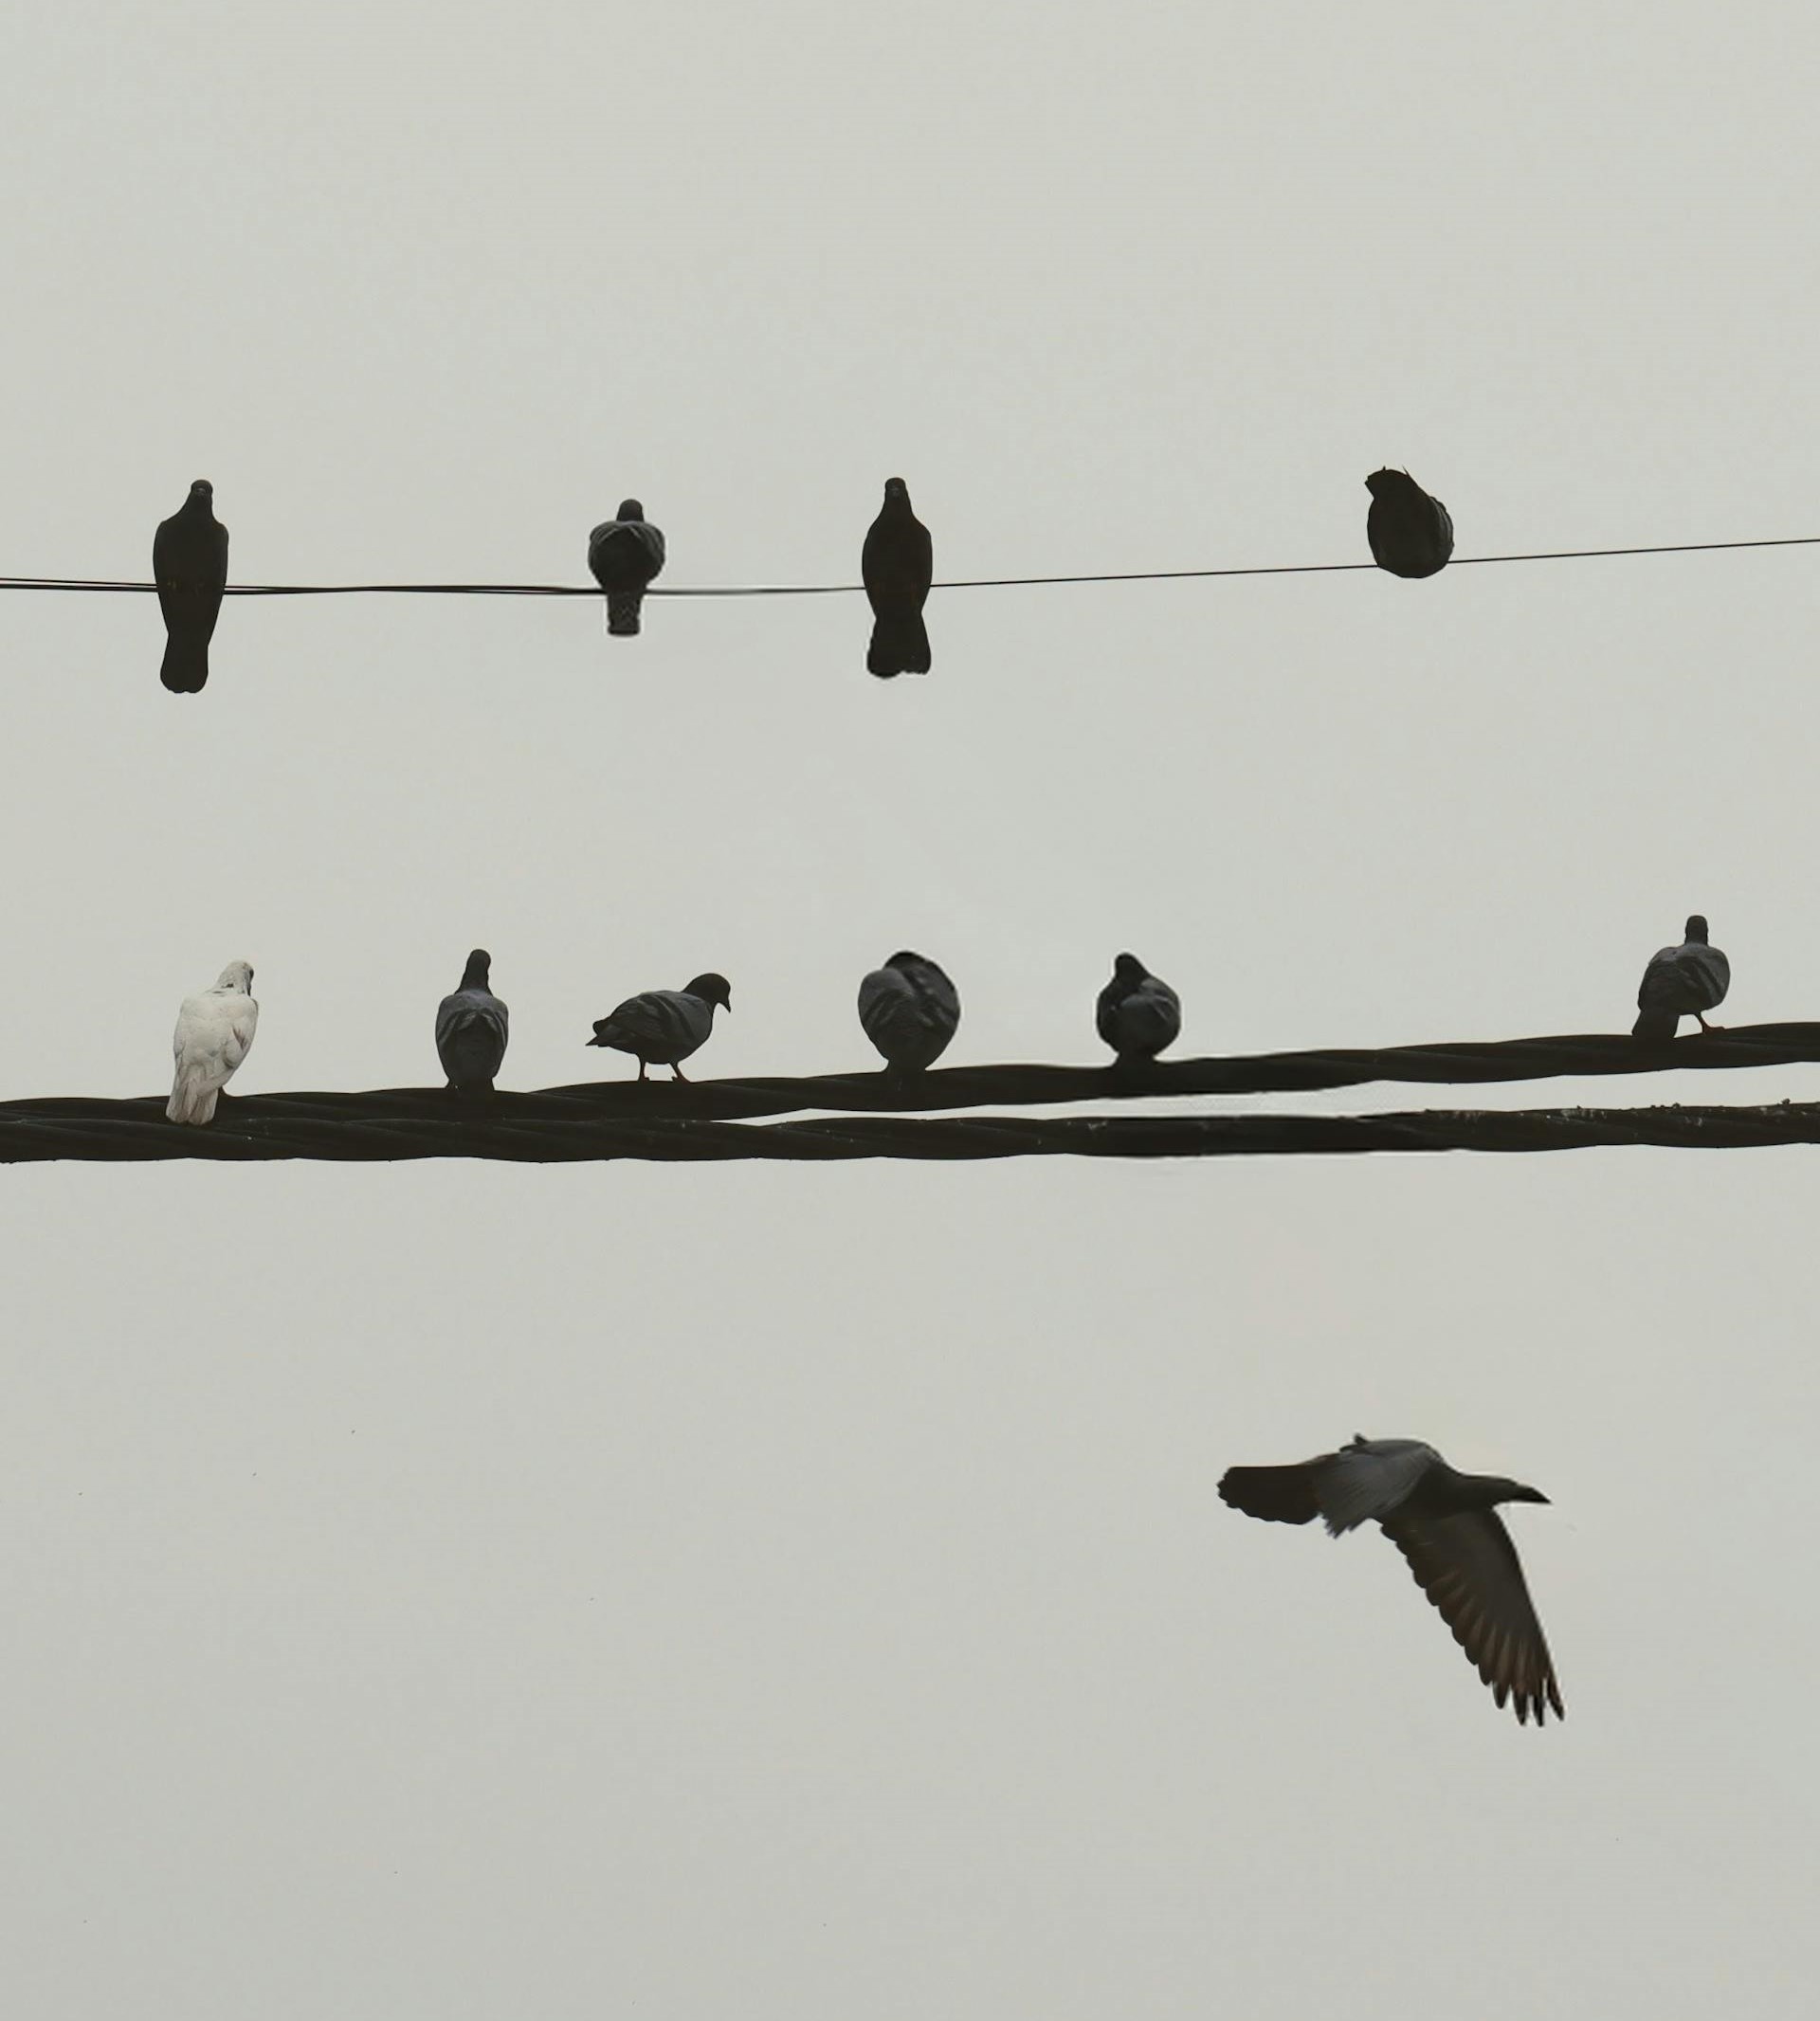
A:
<point x="853" y="588"/>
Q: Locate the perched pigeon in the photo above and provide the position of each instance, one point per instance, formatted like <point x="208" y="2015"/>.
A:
<point x="1681" y="982"/>
<point x="1445" y="1524"/>
<point x="189" y="566"/>
<point x="214" y="1034"/>
<point x="625" y="553"/>
<point x="910" y="1012"/>
<point x="1410" y="532"/>
<point x="897" y="565"/>
<point x="470" y="1028"/>
<point x="1137" y="1014"/>
<point x="663" y="1027"/>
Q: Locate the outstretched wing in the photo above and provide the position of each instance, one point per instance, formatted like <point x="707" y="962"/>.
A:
<point x="1467" y="1566"/>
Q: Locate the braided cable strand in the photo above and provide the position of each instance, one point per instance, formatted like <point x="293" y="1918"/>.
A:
<point x="258" y="1129"/>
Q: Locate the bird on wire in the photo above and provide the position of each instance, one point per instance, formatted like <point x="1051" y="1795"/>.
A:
<point x="214" y="1034"/>
<point x="910" y="1011"/>
<point x="189" y="566"/>
<point x="1680" y="982"/>
<point x="897" y="565"/>
<point x="471" y="1029"/>
<point x="661" y="1027"/>
<point x="1446" y="1525"/>
<point x="1137" y="1014"/>
<point x="625" y="556"/>
<point x="1410" y="532"/>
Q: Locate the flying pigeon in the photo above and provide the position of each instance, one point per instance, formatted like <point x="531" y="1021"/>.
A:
<point x="1447" y="1527"/>
<point x="189" y="566"/>
<point x="1410" y="532"/>
<point x="1680" y="982"/>
<point x="214" y="1034"/>
<point x="471" y="1027"/>
<point x="897" y="565"/>
<point x="1137" y="1014"/>
<point x="625" y="553"/>
<point x="910" y="1011"/>
<point x="661" y="1027"/>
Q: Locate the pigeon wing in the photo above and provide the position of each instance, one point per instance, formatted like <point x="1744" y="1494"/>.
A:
<point x="1467" y="1566"/>
<point x="1371" y="1477"/>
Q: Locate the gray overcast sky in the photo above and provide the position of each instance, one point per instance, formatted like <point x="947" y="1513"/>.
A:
<point x="792" y="1592"/>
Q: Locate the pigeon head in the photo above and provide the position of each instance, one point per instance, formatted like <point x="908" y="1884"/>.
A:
<point x="897" y="490"/>
<point x="480" y="965"/>
<point x="1128" y="969"/>
<point x="1388" y="483"/>
<point x="237" y="975"/>
<point x="630" y="509"/>
<point x="710" y="988"/>
<point x="1696" y="927"/>
<point x="1487" y="1489"/>
<point x="202" y="490"/>
<point x="905" y="955"/>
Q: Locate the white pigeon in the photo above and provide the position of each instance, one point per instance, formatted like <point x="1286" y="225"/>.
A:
<point x="214" y="1034"/>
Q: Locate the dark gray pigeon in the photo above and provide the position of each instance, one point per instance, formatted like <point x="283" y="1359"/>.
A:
<point x="1410" y="532"/>
<point x="189" y="566"/>
<point x="663" y="1027"/>
<point x="910" y="1011"/>
<point x="1446" y="1525"/>
<point x="471" y="1029"/>
<point x="896" y="564"/>
<point x="1682" y="982"/>
<point x="1137" y="1014"/>
<point x="625" y="556"/>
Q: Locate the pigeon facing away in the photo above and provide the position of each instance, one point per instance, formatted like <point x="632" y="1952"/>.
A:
<point x="1137" y="1014"/>
<point x="1410" y="532"/>
<point x="189" y="566"/>
<point x="214" y="1034"/>
<point x="471" y="1029"/>
<point x="1680" y="982"/>
<point x="1446" y="1525"/>
<point x="910" y="1011"/>
<point x="625" y="555"/>
<point x="897" y="565"/>
<point x="663" y="1027"/>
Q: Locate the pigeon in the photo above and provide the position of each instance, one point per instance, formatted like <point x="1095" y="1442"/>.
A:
<point x="661" y="1027"/>
<point x="625" y="553"/>
<point x="1410" y="532"/>
<point x="214" y="1034"/>
<point x="1680" y="982"/>
<point x="1137" y="1014"/>
<point x="470" y="1029"/>
<point x="897" y="565"/>
<point x="189" y="566"/>
<point x="1447" y="1527"/>
<point x="910" y="1011"/>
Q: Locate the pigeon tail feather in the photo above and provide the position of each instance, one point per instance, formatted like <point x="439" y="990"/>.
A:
<point x="1273" y="1494"/>
<point x="185" y="670"/>
<point x="900" y="646"/>
<point x="193" y="1099"/>
<point x="622" y="613"/>
<point x="1655" y="1025"/>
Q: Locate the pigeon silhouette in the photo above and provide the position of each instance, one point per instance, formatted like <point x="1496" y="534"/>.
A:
<point x="661" y="1027"/>
<point x="1137" y="1014"/>
<point x="625" y="556"/>
<point x="910" y="1011"/>
<point x="1410" y="532"/>
<point x="471" y="1029"/>
<point x="214" y="1034"/>
<point x="1681" y="982"/>
<point x="189" y="566"/>
<point x="1446" y="1525"/>
<point x="896" y="564"/>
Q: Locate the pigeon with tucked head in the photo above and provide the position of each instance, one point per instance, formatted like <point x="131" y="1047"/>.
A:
<point x="214" y="1034"/>
<point x="1410" y="532"/>
<point x="1137" y="1013"/>
<point x="910" y="1011"/>
<point x="625" y="556"/>
<point x="189" y="566"/>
